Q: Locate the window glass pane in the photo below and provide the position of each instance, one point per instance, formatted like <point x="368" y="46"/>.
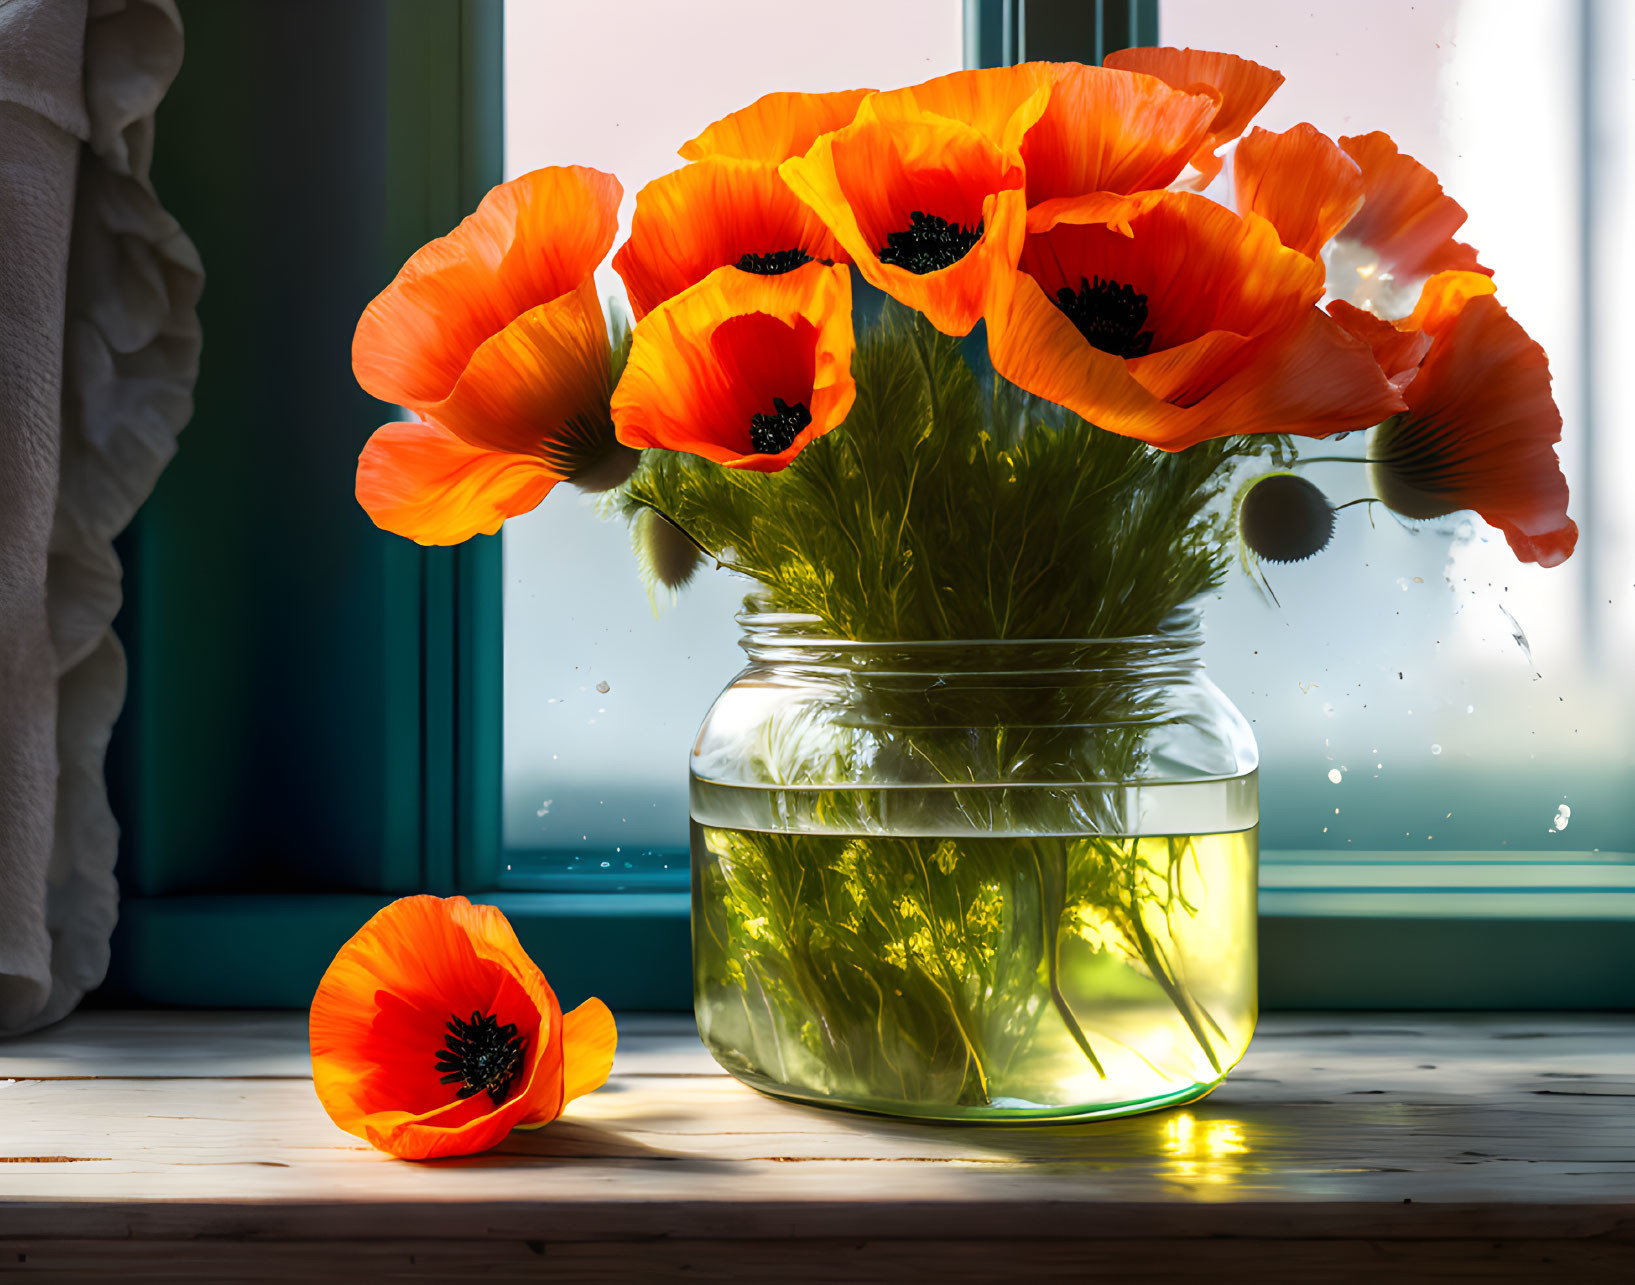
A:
<point x="1396" y="703"/>
<point x="602" y="699"/>
<point x="1395" y="659"/>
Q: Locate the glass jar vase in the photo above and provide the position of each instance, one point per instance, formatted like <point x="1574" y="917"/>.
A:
<point x="975" y="880"/>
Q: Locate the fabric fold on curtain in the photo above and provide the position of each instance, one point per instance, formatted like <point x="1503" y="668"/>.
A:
<point x="99" y="350"/>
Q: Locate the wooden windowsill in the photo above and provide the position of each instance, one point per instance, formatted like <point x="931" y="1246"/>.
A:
<point x="158" y="1145"/>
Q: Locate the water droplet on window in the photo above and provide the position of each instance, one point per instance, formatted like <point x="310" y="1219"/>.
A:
<point x="1519" y="634"/>
<point x="1334" y="775"/>
<point x="604" y="687"/>
<point x="1436" y="749"/>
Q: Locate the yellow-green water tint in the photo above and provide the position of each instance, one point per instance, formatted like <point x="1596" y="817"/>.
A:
<point x="976" y="977"/>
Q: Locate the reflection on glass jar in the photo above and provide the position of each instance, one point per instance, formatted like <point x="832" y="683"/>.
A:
<point x="975" y="880"/>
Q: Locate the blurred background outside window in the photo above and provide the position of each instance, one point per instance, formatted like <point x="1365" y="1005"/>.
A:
<point x="1415" y="690"/>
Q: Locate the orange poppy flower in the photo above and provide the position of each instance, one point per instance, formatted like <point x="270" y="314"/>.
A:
<point x="1109" y="131"/>
<point x="776" y="126"/>
<point x="493" y="334"/>
<point x="1480" y="427"/>
<point x="1240" y="87"/>
<point x="1379" y="218"/>
<point x="433" y="1033"/>
<point x="742" y="369"/>
<point x="716" y="213"/>
<point x="928" y="208"/>
<point x="1166" y="317"/>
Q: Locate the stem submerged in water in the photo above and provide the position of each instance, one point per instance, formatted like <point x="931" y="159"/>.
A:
<point x="1052" y="906"/>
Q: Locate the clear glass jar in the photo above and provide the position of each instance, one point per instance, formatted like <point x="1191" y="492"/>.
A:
<point x="975" y="880"/>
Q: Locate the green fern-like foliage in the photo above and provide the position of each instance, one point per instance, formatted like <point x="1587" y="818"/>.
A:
<point x="898" y="965"/>
<point x="949" y="507"/>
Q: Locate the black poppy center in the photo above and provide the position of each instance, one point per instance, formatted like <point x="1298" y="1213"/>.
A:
<point x="775" y="263"/>
<point x="1109" y="315"/>
<point x="929" y="244"/>
<point x="481" y="1056"/>
<point x="772" y="434"/>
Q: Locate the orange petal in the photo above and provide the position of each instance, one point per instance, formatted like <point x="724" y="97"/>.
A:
<point x="868" y="180"/>
<point x="530" y="241"/>
<point x="776" y="126"/>
<point x="705" y="363"/>
<point x="1443" y="298"/>
<point x="421" y="481"/>
<point x="589" y="1038"/>
<point x="1111" y="131"/>
<point x="712" y="215"/>
<point x="1405" y="218"/>
<point x="1311" y="379"/>
<point x="539" y="387"/>
<point x="378" y="1025"/>
<point x="1035" y="346"/>
<point x="1398" y="351"/>
<point x="1480" y="433"/>
<point x="1240" y="87"/>
<point x="1299" y="181"/>
<point x="1001" y="103"/>
<point x="1187" y="373"/>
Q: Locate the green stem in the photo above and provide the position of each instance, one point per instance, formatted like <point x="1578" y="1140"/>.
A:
<point x="974" y="1058"/>
<point x="1051" y="909"/>
<point x="1177" y="993"/>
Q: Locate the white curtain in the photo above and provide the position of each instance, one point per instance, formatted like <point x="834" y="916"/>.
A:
<point x="99" y="347"/>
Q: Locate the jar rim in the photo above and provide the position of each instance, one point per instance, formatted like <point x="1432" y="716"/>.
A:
<point x="1183" y="627"/>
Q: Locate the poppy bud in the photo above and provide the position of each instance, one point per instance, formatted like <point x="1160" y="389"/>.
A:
<point x="1284" y="518"/>
<point x="665" y="550"/>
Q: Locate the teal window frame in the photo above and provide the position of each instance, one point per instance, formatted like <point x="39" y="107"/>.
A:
<point x="314" y="719"/>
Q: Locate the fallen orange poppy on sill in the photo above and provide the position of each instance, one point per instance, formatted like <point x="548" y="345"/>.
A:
<point x="433" y="1034"/>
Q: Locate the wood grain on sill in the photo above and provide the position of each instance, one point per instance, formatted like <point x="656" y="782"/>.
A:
<point x="191" y="1144"/>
